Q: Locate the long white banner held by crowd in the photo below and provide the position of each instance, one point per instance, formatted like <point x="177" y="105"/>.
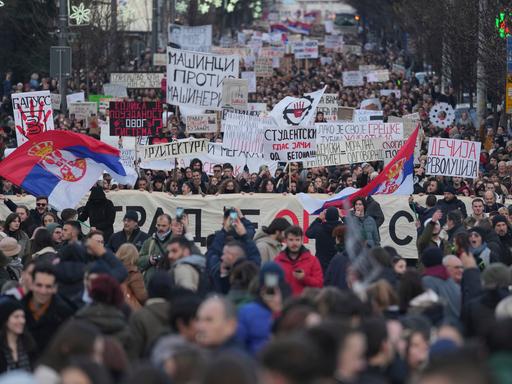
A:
<point x="451" y="157"/>
<point x="33" y="114"/>
<point x="217" y="154"/>
<point x="137" y="80"/>
<point x="205" y="213"/>
<point x="174" y="149"/>
<point x="195" y="79"/>
<point x="353" y="79"/>
<point x="197" y="38"/>
<point x="335" y="131"/>
<point x="245" y="132"/>
<point x="347" y="152"/>
<point x="290" y="143"/>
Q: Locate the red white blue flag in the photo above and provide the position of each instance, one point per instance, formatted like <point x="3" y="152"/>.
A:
<point x="395" y="179"/>
<point x="63" y="165"/>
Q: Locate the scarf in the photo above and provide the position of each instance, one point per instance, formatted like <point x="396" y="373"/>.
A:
<point x="478" y="250"/>
<point x="438" y="271"/>
<point x="163" y="236"/>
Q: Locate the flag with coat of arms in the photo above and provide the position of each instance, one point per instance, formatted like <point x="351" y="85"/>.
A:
<point x="63" y="165"/>
<point x="395" y="179"/>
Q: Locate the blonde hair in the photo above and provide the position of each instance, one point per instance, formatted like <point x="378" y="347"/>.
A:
<point x="128" y="254"/>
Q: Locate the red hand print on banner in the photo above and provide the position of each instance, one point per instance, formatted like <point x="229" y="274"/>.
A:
<point x="34" y="121"/>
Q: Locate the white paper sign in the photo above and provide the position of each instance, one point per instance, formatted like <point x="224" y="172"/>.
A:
<point x="75" y="98"/>
<point x="203" y="123"/>
<point x="388" y="92"/>
<point x="56" y="101"/>
<point x="353" y="79"/>
<point x="195" y="79"/>
<point x="235" y="93"/>
<point x="328" y="105"/>
<point x="115" y="90"/>
<point x="290" y="143"/>
<point x="245" y="132"/>
<point x="348" y="152"/>
<point x="173" y="149"/>
<point x="378" y="76"/>
<point x="197" y="38"/>
<point x="451" y="157"/>
<point x="337" y="131"/>
<point x="251" y="78"/>
<point x="159" y="60"/>
<point x="307" y="49"/>
<point x="83" y="110"/>
<point x="33" y="114"/>
<point x="146" y="80"/>
<point x="367" y="115"/>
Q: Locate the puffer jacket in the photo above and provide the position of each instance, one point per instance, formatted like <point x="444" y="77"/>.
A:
<point x="366" y="228"/>
<point x="100" y="211"/>
<point x="186" y="272"/>
<point x="268" y="247"/>
<point x="313" y="275"/>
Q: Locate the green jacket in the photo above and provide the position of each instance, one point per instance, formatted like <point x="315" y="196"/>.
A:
<point x="151" y="248"/>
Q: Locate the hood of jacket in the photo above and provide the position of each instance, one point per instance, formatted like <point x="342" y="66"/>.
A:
<point x="97" y="193"/>
<point x="159" y="308"/>
<point x="197" y="260"/>
<point x="45" y="250"/>
<point x="262" y="237"/>
<point x="108" y="319"/>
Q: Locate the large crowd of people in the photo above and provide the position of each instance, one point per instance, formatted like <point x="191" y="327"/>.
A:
<point x="258" y="306"/>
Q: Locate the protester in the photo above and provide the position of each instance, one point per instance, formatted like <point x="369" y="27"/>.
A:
<point x="131" y="233"/>
<point x="321" y="230"/>
<point x="269" y="240"/>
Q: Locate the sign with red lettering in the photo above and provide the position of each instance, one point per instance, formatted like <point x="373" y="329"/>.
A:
<point x="290" y="143"/>
<point x="336" y="130"/>
<point x="135" y="118"/>
<point x="451" y="157"/>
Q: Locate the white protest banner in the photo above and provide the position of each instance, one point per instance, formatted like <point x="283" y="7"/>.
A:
<point x="195" y="79"/>
<point x="356" y="50"/>
<point x="338" y="130"/>
<point x="173" y="149"/>
<point x="251" y="78"/>
<point x="197" y="38"/>
<point x="347" y="152"/>
<point x="245" y="132"/>
<point x="290" y="143"/>
<point x="56" y="101"/>
<point x="367" y="115"/>
<point x="378" y="76"/>
<point x="307" y="49"/>
<point x="388" y="92"/>
<point x="257" y="107"/>
<point x="83" y="110"/>
<point x="263" y="67"/>
<point x="217" y="154"/>
<point x="397" y="68"/>
<point x="33" y="114"/>
<point x="353" y="79"/>
<point x="75" y="98"/>
<point x="272" y="51"/>
<point x="409" y="124"/>
<point x="136" y="80"/>
<point x="365" y="68"/>
<point x="115" y="90"/>
<point x="326" y="60"/>
<point x="297" y="111"/>
<point x="334" y="42"/>
<point x="328" y="105"/>
<point x="159" y="60"/>
<point x="371" y="104"/>
<point x="203" y="123"/>
<point x="127" y="157"/>
<point x="235" y="93"/>
<point x="412" y="116"/>
<point x="240" y="51"/>
<point x="451" y="157"/>
<point x="275" y="62"/>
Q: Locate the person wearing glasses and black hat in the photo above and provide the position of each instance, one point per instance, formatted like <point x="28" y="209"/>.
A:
<point x="36" y="214"/>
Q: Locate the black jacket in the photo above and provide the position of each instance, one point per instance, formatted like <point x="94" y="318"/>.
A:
<point x="137" y="238"/>
<point x="42" y="330"/>
<point x="324" y="241"/>
<point x="70" y="271"/>
<point x="100" y="211"/>
<point x="336" y="273"/>
<point x="448" y="206"/>
<point x="505" y="245"/>
<point x="374" y="210"/>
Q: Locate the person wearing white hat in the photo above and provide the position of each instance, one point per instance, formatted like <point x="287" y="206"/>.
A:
<point x="10" y="262"/>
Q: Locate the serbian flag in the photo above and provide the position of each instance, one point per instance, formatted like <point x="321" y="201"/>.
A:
<point x="63" y="166"/>
<point x="298" y="27"/>
<point x="395" y="179"/>
<point x="297" y="111"/>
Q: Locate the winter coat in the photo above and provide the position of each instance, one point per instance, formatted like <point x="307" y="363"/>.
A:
<point x="45" y="254"/>
<point x="313" y="275"/>
<point x="324" y="241"/>
<point x="100" y="211"/>
<point x="374" y="210"/>
<point x="449" y="245"/>
<point x="134" y="287"/>
<point x="7" y="273"/>
<point x="484" y="256"/>
<point x="214" y="254"/>
<point x="70" y="271"/>
<point x="425" y="239"/>
<point x="505" y="247"/>
<point x="24" y="241"/>
<point x="424" y="213"/>
<point x="146" y="325"/>
<point x="137" y="238"/>
<point x="254" y="326"/>
<point x="366" y="228"/>
<point x="448" y="206"/>
<point x="188" y="271"/>
<point x="152" y="247"/>
<point x="267" y="246"/>
<point x="110" y="321"/>
<point x="336" y="273"/>
<point x="44" y="329"/>
<point x="437" y="279"/>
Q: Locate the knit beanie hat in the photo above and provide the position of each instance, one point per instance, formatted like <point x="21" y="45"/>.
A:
<point x="7" y="306"/>
<point x="499" y="219"/>
<point x="432" y="256"/>
<point x="332" y="214"/>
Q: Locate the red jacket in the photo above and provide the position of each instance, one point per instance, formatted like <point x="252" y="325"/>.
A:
<point x="308" y="263"/>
